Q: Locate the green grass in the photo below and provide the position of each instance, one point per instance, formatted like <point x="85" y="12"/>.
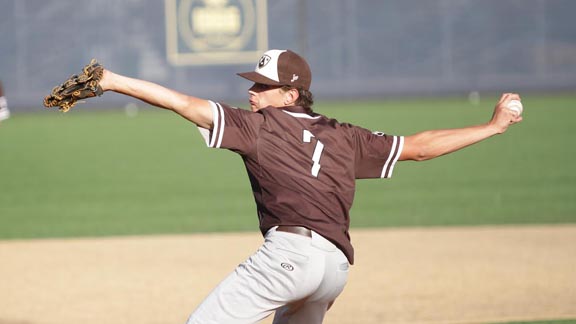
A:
<point x="93" y="173"/>
<point x="523" y="176"/>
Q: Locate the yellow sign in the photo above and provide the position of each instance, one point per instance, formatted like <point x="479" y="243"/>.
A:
<point x="202" y="32"/>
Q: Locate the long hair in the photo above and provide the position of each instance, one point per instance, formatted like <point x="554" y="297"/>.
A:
<point x="305" y="97"/>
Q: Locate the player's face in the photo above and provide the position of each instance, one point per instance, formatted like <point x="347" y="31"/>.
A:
<point x="263" y="95"/>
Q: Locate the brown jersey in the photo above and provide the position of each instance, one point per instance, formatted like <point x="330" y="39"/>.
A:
<point x="302" y="165"/>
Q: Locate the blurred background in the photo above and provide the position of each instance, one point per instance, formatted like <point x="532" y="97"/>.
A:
<point x="357" y="48"/>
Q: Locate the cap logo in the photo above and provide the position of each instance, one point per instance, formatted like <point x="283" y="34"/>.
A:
<point x="294" y="78"/>
<point x="263" y="61"/>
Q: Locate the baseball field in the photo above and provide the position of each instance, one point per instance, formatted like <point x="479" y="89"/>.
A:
<point x="123" y="216"/>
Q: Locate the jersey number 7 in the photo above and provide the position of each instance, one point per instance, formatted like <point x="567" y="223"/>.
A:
<point x="307" y="138"/>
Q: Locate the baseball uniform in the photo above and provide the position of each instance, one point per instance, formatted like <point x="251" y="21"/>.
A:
<point x="302" y="168"/>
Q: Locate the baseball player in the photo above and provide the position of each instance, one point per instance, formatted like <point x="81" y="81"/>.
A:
<point x="4" y="112"/>
<point x="302" y="168"/>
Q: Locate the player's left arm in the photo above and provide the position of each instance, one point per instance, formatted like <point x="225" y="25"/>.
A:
<point x="434" y="143"/>
<point x="194" y="109"/>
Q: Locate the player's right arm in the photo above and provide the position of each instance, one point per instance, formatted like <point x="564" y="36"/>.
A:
<point x="194" y="109"/>
<point x="434" y="143"/>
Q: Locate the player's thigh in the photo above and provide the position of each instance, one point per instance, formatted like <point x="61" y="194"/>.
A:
<point x="308" y="312"/>
<point x="313" y="308"/>
<point x="233" y="301"/>
<point x="282" y="271"/>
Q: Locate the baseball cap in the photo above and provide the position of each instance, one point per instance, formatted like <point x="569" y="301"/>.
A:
<point x="281" y="67"/>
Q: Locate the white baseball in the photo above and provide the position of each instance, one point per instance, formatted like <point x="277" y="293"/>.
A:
<point x="515" y="105"/>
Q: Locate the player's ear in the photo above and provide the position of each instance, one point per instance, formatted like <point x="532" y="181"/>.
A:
<point x="291" y="96"/>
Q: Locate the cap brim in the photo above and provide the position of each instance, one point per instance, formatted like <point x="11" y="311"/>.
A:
<point x="258" y="78"/>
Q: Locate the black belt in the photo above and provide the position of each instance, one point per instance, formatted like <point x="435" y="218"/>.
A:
<point x="295" y="230"/>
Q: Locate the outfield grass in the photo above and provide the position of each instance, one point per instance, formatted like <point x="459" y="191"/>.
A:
<point x="92" y="173"/>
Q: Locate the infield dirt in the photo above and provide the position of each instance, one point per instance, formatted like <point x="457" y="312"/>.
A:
<point x="433" y="275"/>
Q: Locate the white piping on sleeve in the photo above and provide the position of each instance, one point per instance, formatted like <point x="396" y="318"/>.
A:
<point x="388" y="168"/>
<point x="222" y="123"/>
<point x="206" y="132"/>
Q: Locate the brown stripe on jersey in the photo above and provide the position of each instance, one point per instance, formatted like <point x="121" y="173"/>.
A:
<point x="396" y="150"/>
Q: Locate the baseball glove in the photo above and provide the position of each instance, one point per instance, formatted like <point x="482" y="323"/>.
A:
<point x="77" y="87"/>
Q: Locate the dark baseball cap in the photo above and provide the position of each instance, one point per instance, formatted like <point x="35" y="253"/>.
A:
<point x="281" y="67"/>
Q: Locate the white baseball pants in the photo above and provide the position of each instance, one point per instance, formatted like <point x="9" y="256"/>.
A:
<point x="296" y="276"/>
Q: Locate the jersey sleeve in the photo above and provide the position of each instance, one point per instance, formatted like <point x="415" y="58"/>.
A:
<point x="376" y="153"/>
<point x="234" y="129"/>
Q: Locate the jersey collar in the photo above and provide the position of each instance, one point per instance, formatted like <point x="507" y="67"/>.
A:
<point x="299" y="110"/>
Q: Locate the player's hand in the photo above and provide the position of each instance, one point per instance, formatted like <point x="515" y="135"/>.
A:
<point x="503" y="117"/>
<point x="77" y="87"/>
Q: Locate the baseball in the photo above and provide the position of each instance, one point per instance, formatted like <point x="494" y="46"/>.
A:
<point x="516" y="106"/>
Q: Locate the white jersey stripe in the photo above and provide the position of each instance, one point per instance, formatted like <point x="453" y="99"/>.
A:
<point x="217" y="129"/>
<point x="216" y="123"/>
<point x="222" y="124"/>
<point x="385" y="167"/>
<point x="396" y="157"/>
<point x="300" y="115"/>
<point x="396" y="150"/>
